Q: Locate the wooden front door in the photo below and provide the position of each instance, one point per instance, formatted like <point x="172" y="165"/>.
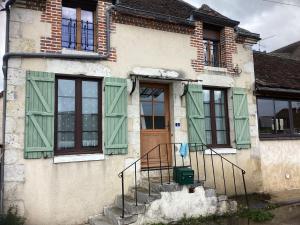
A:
<point x="155" y="124"/>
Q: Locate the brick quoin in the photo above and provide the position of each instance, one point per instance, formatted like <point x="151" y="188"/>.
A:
<point x="52" y="14"/>
<point x="197" y="42"/>
<point x="228" y="48"/>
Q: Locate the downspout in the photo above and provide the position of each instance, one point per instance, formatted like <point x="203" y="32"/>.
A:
<point x="8" y="55"/>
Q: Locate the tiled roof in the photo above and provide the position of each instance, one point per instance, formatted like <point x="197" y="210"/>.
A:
<point x="247" y="33"/>
<point x="276" y="72"/>
<point x="290" y="51"/>
<point x="180" y="9"/>
<point x="175" y="8"/>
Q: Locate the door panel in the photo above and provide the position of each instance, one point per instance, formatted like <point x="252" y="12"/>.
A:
<point x="155" y="120"/>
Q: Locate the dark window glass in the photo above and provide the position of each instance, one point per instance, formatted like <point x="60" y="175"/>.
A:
<point x="69" y="27"/>
<point x="212" y="53"/>
<point x="77" y="119"/>
<point x="66" y="114"/>
<point x="266" y="116"/>
<point x="90" y="114"/>
<point x="278" y="117"/>
<point x="296" y="116"/>
<point x="71" y="38"/>
<point x="216" y="119"/>
<point x="282" y="117"/>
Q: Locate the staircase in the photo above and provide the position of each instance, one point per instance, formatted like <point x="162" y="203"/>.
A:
<point x="136" y="213"/>
<point x="157" y="198"/>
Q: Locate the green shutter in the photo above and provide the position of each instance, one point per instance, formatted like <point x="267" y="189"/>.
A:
<point x="39" y="127"/>
<point x="116" y="129"/>
<point x="241" y="118"/>
<point x="195" y="114"/>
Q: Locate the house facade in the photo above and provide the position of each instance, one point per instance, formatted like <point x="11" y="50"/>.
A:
<point x="94" y="85"/>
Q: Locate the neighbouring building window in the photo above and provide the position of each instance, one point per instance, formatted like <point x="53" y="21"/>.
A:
<point x="278" y="117"/>
<point x="78" y="115"/>
<point x="78" y="28"/>
<point x="216" y="117"/>
<point x="212" y="53"/>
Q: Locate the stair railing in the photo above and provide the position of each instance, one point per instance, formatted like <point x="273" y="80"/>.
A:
<point x="201" y="151"/>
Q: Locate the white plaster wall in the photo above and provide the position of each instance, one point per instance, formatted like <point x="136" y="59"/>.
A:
<point x="280" y="165"/>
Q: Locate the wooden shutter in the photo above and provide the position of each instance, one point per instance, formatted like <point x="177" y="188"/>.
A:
<point x="241" y="118"/>
<point x="39" y="127"/>
<point x="116" y="129"/>
<point x="195" y="114"/>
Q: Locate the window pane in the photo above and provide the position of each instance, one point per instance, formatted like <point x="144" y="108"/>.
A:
<point x="219" y="96"/>
<point x="90" y="113"/>
<point x="265" y="109"/>
<point x="158" y="94"/>
<point x="206" y="96"/>
<point x="282" y="117"/>
<point x="66" y="114"/>
<point x="219" y="110"/>
<point x="296" y="116"/>
<point x="159" y="122"/>
<point x="146" y="108"/>
<point x="146" y="122"/>
<point x="68" y="27"/>
<point x="87" y="30"/>
<point x="221" y="138"/>
<point x="208" y="138"/>
<point x="220" y="124"/>
<point x="159" y="109"/>
<point x="146" y="94"/>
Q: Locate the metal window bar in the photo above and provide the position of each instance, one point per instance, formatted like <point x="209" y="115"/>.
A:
<point x="69" y="34"/>
<point x="212" y="54"/>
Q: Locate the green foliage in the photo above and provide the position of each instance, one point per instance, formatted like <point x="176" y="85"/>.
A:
<point x="12" y="217"/>
<point x="256" y="215"/>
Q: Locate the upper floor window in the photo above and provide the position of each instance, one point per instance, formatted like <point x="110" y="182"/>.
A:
<point x="212" y="53"/>
<point x="278" y="117"/>
<point x="216" y="117"/>
<point x="78" y="28"/>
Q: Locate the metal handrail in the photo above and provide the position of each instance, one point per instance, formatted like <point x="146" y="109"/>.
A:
<point x="196" y="149"/>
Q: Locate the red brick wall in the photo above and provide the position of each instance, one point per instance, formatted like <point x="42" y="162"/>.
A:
<point x="228" y="48"/>
<point x="197" y="42"/>
<point x="52" y="14"/>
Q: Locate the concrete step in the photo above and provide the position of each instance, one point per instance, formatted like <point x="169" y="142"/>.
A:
<point x="99" y="220"/>
<point x="130" y="205"/>
<point x="114" y="214"/>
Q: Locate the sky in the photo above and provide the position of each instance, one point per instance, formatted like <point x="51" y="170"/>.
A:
<point x="278" y="25"/>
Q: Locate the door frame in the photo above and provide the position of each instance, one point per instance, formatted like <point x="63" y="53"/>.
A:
<point x="167" y="108"/>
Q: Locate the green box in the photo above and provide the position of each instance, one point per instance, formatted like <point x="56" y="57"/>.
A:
<point x="183" y="175"/>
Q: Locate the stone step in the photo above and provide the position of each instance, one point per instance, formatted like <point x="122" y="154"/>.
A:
<point x="165" y="187"/>
<point x="114" y="214"/>
<point x="143" y="195"/>
<point x="99" y="220"/>
<point x="130" y="205"/>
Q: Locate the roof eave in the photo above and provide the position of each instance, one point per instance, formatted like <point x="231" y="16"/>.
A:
<point x="214" y="20"/>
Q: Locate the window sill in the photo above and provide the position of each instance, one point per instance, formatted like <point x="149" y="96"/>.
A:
<point x="77" y="52"/>
<point x="278" y="138"/>
<point x="78" y="158"/>
<point x="221" y="151"/>
<point x="215" y="69"/>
